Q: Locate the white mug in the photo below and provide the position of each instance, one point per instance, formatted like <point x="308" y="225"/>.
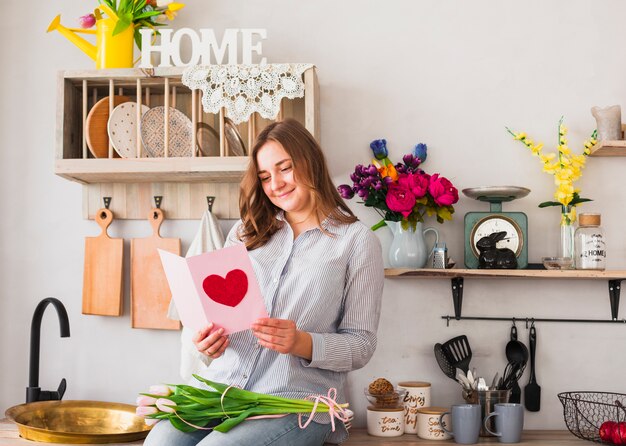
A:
<point x="385" y="421"/>
<point x="429" y="421"/>
<point x="417" y="396"/>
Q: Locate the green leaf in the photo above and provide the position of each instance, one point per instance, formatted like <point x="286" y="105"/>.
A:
<point x="139" y="6"/>
<point x="229" y="423"/>
<point x="137" y="37"/>
<point x="545" y="204"/>
<point x="578" y="200"/>
<point x="147" y="14"/>
<point x="123" y="23"/>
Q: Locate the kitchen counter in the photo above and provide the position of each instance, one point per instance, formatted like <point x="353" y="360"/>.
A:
<point x="358" y="437"/>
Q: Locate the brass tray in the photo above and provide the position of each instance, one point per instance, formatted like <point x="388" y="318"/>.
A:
<point x="78" y="422"/>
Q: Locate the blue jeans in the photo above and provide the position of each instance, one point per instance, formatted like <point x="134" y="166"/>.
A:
<point x="282" y="431"/>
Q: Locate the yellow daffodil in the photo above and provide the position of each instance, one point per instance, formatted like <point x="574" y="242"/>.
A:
<point x="520" y="136"/>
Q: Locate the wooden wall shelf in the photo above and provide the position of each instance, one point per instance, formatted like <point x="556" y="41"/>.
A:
<point x="610" y="148"/>
<point x="184" y="182"/>
<point x="141" y="170"/>
<point x="457" y="276"/>
<point x="505" y="273"/>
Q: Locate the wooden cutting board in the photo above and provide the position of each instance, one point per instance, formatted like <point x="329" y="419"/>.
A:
<point x="149" y="291"/>
<point x="96" y="132"/>
<point x="102" y="277"/>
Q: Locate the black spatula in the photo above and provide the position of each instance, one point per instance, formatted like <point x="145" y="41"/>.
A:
<point x="532" y="391"/>
<point x="459" y="352"/>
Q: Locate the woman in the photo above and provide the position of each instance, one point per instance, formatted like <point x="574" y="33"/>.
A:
<point x="321" y="276"/>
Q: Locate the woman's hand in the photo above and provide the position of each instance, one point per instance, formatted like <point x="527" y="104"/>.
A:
<point x="211" y="342"/>
<point x="283" y="336"/>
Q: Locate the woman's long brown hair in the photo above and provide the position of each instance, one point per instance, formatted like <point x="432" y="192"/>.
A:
<point x="258" y="213"/>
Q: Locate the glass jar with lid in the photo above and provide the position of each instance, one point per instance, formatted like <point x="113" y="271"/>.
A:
<point x="590" y="249"/>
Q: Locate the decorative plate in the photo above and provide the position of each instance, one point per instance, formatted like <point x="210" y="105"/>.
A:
<point x="122" y="128"/>
<point x="236" y="146"/>
<point x="153" y="131"/>
<point x="208" y="140"/>
<point x="96" y="127"/>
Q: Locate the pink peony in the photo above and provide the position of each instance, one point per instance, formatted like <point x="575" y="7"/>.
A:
<point x="416" y="183"/>
<point x="442" y="190"/>
<point x="400" y="199"/>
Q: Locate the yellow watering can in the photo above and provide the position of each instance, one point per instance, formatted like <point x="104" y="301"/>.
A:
<point x="109" y="51"/>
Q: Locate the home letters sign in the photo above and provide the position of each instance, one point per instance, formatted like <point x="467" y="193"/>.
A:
<point x="205" y="49"/>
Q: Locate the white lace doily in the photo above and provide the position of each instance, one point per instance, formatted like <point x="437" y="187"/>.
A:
<point x="245" y="89"/>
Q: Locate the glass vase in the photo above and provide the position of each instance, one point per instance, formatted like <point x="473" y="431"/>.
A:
<point x="566" y="241"/>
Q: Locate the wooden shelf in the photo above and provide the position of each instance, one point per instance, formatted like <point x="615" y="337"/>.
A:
<point x="609" y="148"/>
<point x="183" y="182"/>
<point x="504" y="273"/>
<point x="117" y="170"/>
<point x="457" y="276"/>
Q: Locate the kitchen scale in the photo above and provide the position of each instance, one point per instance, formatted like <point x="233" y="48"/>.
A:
<point x="482" y="224"/>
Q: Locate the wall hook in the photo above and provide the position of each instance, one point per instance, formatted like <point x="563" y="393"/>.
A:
<point x="107" y="202"/>
<point x="210" y="200"/>
<point x="157" y="201"/>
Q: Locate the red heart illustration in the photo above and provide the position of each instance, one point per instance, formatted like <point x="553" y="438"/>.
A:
<point x="229" y="291"/>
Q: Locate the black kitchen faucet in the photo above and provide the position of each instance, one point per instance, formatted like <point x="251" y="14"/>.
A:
<point x="33" y="391"/>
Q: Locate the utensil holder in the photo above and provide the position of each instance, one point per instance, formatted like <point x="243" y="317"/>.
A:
<point x="487" y="400"/>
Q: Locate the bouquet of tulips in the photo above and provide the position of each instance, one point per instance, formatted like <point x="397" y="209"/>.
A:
<point x="402" y="192"/>
<point x="136" y="13"/>
<point x="190" y="408"/>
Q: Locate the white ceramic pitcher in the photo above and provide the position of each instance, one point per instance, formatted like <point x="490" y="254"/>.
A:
<point x="408" y="248"/>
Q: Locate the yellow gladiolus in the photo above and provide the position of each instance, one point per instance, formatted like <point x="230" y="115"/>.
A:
<point x="564" y="166"/>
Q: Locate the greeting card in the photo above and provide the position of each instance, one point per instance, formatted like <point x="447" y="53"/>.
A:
<point x="217" y="286"/>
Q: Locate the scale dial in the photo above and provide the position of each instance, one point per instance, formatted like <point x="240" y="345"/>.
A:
<point x="496" y="223"/>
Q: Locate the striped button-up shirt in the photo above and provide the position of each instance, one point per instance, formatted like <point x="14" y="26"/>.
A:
<point x="331" y="286"/>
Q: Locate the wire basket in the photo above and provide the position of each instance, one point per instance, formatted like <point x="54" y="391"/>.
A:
<point x="584" y="412"/>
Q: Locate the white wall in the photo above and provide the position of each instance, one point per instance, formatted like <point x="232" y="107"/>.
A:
<point x="451" y="74"/>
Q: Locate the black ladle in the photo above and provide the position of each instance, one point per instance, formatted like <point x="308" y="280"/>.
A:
<point x="516" y="391"/>
<point x="517" y="355"/>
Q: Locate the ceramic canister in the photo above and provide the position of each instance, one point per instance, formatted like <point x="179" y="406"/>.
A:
<point x="428" y="426"/>
<point x="385" y="421"/>
<point x="417" y="396"/>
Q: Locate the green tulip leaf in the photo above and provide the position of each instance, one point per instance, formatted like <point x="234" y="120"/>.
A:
<point x="123" y="23"/>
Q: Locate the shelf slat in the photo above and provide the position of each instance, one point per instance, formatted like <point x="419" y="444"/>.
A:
<point x="429" y="273"/>
<point x="127" y="170"/>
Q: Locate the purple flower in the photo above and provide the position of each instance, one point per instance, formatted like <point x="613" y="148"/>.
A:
<point x="420" y="151"/>
<point x="87" y="21"/>
<point x="345" y="191"/>
<point x="379" y="147"/>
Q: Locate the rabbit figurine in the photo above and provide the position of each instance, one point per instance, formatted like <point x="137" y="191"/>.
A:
<point x="492" y="257"/>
